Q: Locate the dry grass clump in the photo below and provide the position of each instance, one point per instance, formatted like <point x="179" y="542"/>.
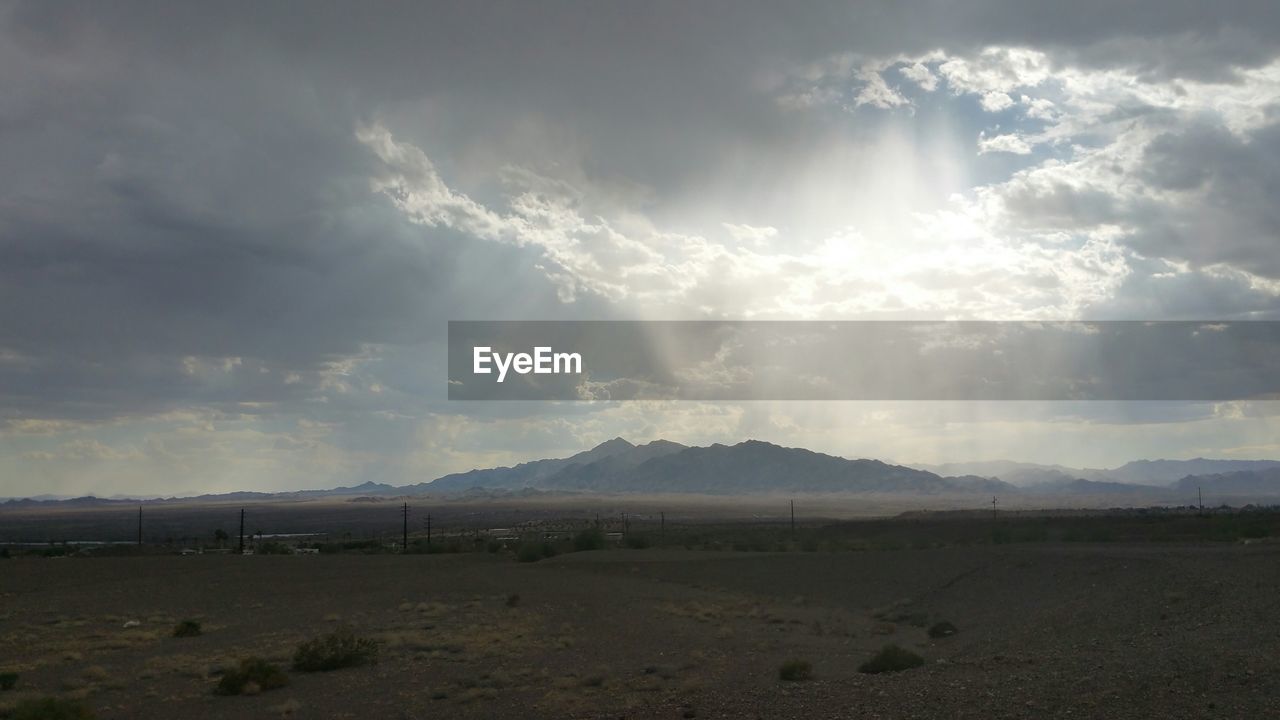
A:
<point x="335" y="651"/>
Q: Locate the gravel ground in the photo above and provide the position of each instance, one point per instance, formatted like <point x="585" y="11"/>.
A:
<point x="1044" y="630"/>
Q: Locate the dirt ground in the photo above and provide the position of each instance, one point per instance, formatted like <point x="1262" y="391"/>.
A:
<point x="1044" y="630"/>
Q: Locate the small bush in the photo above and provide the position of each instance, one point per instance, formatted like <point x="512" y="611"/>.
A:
<point x="891" y="658"/>
<point x="637" y="542"/>
<point x="589" y="539"/>
<point x="252" y="674"/>
<point x="8" y="680"/>
<point x="186" y="628"/>
<point x="50" y="709"/>
<point x="942" y="629"/>
<point x="334" y="651"/>
<point x="4" y="554"/>
<point x="795" y="670"/>
<point x="513" y="599"/>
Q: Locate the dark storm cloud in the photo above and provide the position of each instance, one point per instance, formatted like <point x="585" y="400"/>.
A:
<point x="635" y="75"/>
<point x="164" y="200"/>
<point x="1236" y="220"/>
<point x="1151" y="291"/>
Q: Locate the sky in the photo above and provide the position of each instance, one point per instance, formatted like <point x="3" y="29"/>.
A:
<point x="232" y="234"/>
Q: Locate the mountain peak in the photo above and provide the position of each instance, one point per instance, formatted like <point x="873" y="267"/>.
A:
<point x="758" y="443"/>
<point x="615" y="445"/>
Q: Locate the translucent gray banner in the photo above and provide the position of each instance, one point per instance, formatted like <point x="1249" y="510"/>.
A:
<point x="872" y="360"/>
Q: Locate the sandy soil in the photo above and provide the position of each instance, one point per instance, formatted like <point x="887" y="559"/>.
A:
<point x="1045" y="630"/>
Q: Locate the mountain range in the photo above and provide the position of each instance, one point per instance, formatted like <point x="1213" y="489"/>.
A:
<point x="754" y="467"/>
<point x="1138" y="472"/>
<point x="750" y="467"/>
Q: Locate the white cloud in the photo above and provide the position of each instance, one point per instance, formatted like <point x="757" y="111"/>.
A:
<point x="996" y="70"/>
<point x="1039" y="108"/>
<point x="876" y="92"/>
<point x="750" y="233"/>
<point x="414" y="185"/>
<point x="995" y="101"/>
<point x="1009" y="143"/>
<point x="920" y="74"/>
<point x="977" y="258"/>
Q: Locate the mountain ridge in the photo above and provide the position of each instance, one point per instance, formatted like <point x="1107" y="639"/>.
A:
<point x="618" y="466"/>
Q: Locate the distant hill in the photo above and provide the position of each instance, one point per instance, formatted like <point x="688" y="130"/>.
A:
<point x="1138" y="472"/>
<point x="750" y="467"/>
<point x="529" y="474"/>
<point x="601" y="474"/>
<point x="760" y="467"/>
<point x="1265" y="482"/>
<point x="1163" y="472"/>
<point x="1014" y="473"/>
<point x="366" y="488"/>
<point x="1083" y="487"/>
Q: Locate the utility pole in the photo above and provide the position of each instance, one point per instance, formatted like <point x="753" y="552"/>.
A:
<point x="404" y="530"/>
<point x="1200" y="496"/>
<point x="662" y="528"/>
<point x="428" y="530"/>
<point x="139" y="526"/>
<point x="993" y="508"/>
<point x="241" y="531"/>
<point x="793" y="519"/>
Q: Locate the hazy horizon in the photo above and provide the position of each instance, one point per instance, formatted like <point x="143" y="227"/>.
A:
<point x="939" y="468"/>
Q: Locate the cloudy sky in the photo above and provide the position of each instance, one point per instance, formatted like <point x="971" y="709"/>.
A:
<point x="231" y="234"/>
